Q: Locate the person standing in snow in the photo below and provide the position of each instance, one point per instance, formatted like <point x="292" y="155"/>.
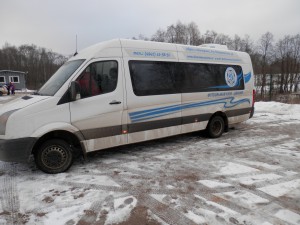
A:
<point x="12" y="88"/>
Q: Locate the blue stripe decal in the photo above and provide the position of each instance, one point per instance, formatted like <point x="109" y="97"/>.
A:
<point x="153" y="110"/>
<point x="163" y="111"/>
<point x="247" y="77"/>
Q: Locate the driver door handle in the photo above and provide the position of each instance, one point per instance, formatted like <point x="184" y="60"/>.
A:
<point x="114" y="102"/>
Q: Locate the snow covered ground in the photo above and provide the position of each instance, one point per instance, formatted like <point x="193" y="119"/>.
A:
<point x="248" y="176"/>
<point x="6" y="98"/>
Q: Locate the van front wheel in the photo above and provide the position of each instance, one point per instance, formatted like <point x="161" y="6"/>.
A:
<point x="215" y="127"/>
<point x="54" y="156"/>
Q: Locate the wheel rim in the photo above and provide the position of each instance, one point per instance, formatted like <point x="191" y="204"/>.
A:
<point x="216" y="127"/>
<point x="54" y="157"/>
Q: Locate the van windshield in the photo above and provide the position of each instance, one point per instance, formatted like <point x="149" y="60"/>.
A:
<point x="59" y="78"/>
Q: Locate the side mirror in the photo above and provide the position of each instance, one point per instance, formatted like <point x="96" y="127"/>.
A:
<point x="74" y="91"/>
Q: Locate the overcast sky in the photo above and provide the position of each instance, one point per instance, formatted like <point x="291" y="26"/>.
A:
<point x="53" y="24"/>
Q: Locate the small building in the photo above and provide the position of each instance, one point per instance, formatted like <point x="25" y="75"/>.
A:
<point x="17" y="77"/>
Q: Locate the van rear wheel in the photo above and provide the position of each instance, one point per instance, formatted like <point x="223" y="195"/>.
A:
<point x="215" y="127"/>
<point x="54" y="156"/>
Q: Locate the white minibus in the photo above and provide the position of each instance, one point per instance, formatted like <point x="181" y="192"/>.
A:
<point x="126" y="91"/>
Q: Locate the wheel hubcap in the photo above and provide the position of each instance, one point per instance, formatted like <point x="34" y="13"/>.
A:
<point x="216" y="127"/>
<point x="54" y="157"/>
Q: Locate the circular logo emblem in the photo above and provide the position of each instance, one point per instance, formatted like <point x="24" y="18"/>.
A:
<point x="230" y="77"/>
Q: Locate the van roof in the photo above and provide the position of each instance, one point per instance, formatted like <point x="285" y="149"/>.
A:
<point x="113" y="48"/>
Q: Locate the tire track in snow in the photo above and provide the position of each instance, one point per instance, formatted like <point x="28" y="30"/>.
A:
<point x="169" y="215"/>
<point x="9" y="193"/>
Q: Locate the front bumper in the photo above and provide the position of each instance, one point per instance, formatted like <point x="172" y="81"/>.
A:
<point x="16" y="150"/>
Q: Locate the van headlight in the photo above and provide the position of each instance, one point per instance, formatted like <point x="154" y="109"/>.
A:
<point x="3" y="119"/>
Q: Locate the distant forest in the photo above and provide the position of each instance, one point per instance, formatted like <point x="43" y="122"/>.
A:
<point x="39" y="63"/>
<point x="276" y="62"/>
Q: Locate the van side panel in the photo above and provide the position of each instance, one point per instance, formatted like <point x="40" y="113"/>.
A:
<point x="154" y="116"/>
<point x="150" y="116"/>
<point x="236" y="104"/>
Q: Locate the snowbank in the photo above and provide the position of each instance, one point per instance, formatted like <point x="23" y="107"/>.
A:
<point x="278" y="108"/>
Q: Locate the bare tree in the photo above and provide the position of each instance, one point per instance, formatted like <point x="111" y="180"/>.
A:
<point x="193" y="34"/>
<point x="159" y="36"/>
<point x="247" y="44"/>
<point x="265" y="46"/>
<point x="177" y="33"/>
<point x="223" y="39"/>
<point x="296" y="62"/>
<point x="237" y="43"/>
<point x="209" y="36"/>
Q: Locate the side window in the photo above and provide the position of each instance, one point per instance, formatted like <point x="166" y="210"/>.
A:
<point x="152" y="78"/>
<point x="227" y="77"/>
<point x="198" y="77"/>
<point x="159" y="78"/>
<point x="195" y="77"/>
<point x="98" y="78"/>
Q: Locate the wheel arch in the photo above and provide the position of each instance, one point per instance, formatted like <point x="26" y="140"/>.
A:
<point x="74" y="139"/>
<point x="224" y="116"/>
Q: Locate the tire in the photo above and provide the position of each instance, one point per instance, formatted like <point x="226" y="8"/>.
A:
<point x="1" y="93"/>
<point x="54" y="156"/>
<point x="215" y="127"/>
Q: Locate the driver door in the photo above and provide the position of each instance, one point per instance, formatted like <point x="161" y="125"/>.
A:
<point x="98" y="112"/>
